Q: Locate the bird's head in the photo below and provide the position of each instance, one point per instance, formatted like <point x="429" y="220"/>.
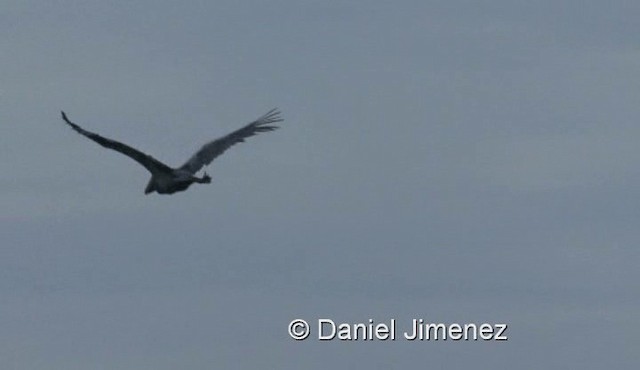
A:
<point x="206" y="178"/>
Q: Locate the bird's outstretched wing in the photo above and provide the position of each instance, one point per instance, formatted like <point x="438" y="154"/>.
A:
<point x="213" y="149"/>
<point x="150" y="163"/>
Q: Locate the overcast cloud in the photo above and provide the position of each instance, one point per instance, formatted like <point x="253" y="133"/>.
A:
<point x="456" y="161"/>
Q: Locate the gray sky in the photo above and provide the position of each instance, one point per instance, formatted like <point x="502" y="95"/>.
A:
<point x="456" y="161"/>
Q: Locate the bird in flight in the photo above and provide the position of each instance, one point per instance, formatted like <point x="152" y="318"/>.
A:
<point x="167" y="180"/>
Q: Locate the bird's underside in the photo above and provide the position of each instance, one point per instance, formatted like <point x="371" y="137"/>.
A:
<point x="167" y="180"/>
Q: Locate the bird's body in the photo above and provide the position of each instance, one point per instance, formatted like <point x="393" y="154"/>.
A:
<point x="177" y="180"/>
<point x="167" y="180"/>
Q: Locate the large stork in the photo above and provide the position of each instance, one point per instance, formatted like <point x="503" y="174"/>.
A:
<point x="167" y="180"/>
